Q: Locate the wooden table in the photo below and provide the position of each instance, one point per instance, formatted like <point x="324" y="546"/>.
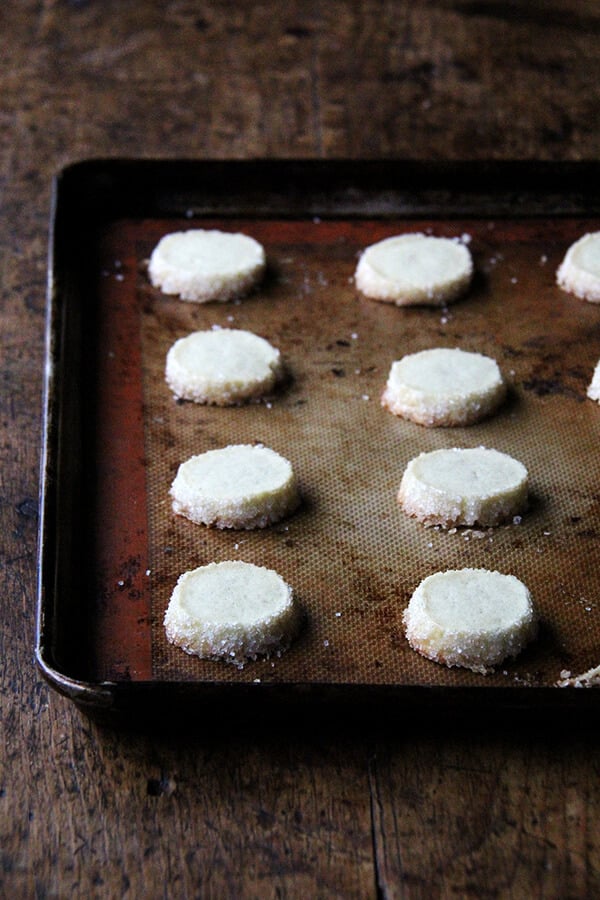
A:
<point x="404" y="810"/>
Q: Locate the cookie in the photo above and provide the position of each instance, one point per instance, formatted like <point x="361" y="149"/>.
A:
<point x="200" y="265"/>
<point x="411" y="269"/>
<point x="579" y="272"/>
<point x="472" y="618"/>
<point x="475" y="486"/>
<point x="223" y="367"/>
<point x="593" y="390"/>
<point x="239" y="486"/>
<point x="444" y="387"/>
<point x="232" y="611"/>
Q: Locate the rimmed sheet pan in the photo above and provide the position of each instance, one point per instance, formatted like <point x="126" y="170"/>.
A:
<point x="110" y="547"/>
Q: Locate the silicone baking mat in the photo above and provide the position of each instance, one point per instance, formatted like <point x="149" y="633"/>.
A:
<point x="351" y="555"/>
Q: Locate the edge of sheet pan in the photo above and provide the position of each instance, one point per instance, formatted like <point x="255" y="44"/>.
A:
<point x="99" y="190"/>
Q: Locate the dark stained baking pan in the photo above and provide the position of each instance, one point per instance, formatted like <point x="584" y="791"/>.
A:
<point x="111" y="549"/>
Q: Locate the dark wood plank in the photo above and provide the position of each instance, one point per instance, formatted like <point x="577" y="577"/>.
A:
<point x="460" y="80"/>
<point x="218" y="815"/>
<point x="496" y="813"/>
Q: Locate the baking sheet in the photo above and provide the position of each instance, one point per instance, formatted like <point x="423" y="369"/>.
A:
<point x="350" y="553"/>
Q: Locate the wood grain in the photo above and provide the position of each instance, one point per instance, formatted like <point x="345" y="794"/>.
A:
<point x="89" y="811"/>
<point x="487" y="815"/>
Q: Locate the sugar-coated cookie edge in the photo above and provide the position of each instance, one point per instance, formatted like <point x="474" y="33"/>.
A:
<point x="252" y="512"/>
<point x="198" y="288"/>
<point x="571" y="278"/>
<point x="432" y="507"/>
<point x="200" y="390"/>
<point x="376" y="287"/>
<point x="412" y="404"/>
<point x="219" y="641"/>
<point x="593" y="391"/>
<point x="477" y="651"/>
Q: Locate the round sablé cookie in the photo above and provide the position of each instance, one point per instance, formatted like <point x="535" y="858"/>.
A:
<point x="455" y="486"/>
<point x="223" y="367"/>
<point x="593" y="390"/>
<point x="411" y="269"/>
<point x="201" y="265"/>
<point x="472" y="618"/>
<point x="231" y="610"/>
<point x="239" y="486"/>
<point x="579" y="272"/>
<point x="444" y="387"/>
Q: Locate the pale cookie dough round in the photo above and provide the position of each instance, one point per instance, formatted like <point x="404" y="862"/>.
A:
<point x="579" y="272"/>
<point x="200" y="265"/>
<point x="223" y="367"/>
<point x="444" y="387"/>
<point x="411" y="269"/>
<point x="239" y="486"/>
<point x="472" y="618"/>
<point x="593" y="390"/>
<point x="455" y="486"/>
<point x="232" y="610"/>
